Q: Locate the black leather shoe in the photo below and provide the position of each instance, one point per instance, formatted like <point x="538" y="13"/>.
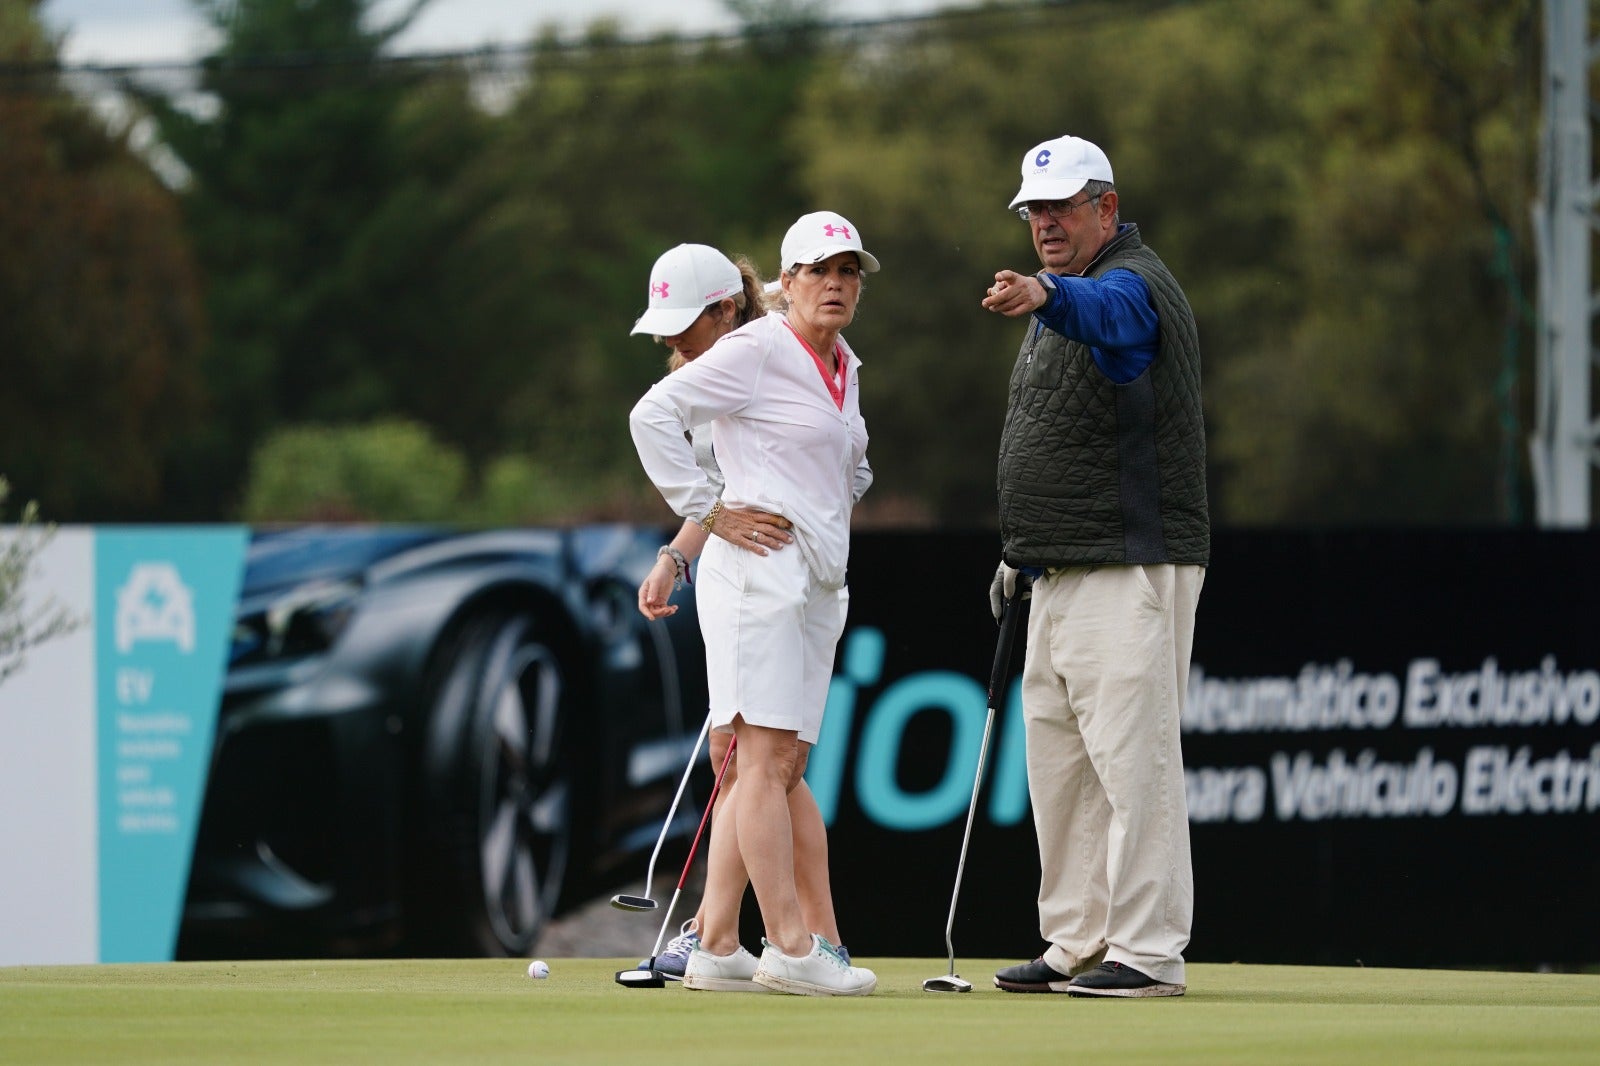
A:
<point x="1035" y="976"/>
<point x="1115" y="979"/>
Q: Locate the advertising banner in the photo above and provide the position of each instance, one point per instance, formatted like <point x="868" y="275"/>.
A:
<point x="164" y="608"/>
<point x="1391" y="748"/>
<point x="323" y="740"/>
<point x="105" y="737"/>
<point x="1391" y="741"/>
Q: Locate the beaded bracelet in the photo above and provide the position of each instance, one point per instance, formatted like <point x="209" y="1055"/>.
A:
<point x="680" y="565"/>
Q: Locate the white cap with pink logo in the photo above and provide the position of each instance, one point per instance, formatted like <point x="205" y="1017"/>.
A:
<point x="821" y="234"/>
<point x="684" y="282"/>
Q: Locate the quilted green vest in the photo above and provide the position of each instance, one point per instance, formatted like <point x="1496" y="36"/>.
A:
<point x="1092" y="472"/>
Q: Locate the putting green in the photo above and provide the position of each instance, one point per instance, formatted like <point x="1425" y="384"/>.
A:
<point x="478" y="1010"/>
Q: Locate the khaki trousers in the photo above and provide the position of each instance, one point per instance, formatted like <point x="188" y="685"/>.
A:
<point x="1103" y="680"/>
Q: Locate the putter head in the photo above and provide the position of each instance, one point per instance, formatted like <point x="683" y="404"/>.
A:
<point x="625" y="902"/>
<point x="948" y="983"/>
<point x="640" y="979"/>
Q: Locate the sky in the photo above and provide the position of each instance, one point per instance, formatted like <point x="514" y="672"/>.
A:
<point x="122" y="32"/>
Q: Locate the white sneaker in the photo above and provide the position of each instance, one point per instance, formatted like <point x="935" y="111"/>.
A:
<point x="821" y="973"/>
<point x="721" y="973"/>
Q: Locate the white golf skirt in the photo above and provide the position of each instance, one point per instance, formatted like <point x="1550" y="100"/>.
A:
<point x="771" y="630"/>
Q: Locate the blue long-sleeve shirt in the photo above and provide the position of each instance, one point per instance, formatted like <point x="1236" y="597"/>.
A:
<point x="1112" y="314"/>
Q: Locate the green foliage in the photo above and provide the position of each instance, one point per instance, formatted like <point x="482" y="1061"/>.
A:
<point x="100" y="319"/>
<point x="389" y="470"/>
<point x="520" y="490"/>
<point x="22" y="628"/>
<point x="1340" y="185"/>
<point x="1375" y="399"/>
<point x="925" y="167"/>
<point x="312" y="213"/>
<point x="397" y="471"/>
<point x="612" y="154"/>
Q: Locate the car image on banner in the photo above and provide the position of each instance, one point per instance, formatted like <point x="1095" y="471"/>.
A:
<point x="432" y="740"/>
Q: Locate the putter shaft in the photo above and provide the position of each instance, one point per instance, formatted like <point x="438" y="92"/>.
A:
<point x="997" y="677"/>
<point x="647" y="902"/>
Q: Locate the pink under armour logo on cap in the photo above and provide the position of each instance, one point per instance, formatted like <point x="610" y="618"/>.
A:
<point x="819" y="235"/>
<point x="659" y="290"/>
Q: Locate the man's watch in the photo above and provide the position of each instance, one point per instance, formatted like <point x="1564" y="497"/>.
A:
<point x="1047" y="282"/>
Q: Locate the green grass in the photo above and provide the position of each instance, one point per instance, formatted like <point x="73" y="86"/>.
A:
<point x="482" y="1011"/>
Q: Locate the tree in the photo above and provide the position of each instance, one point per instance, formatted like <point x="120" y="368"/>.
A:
<point x="293" y="175"/>
<point x="1377" y="400"/>
<point x="924" y="162"/>
<point x="1337" y="183"/>
<point x="614" y="152"/>
<point x="1331" y="182"/>
<point x="100" y="318"/>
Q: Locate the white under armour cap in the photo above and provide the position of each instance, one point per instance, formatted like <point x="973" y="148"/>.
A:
<point x="816" y="236"/>
<point x="685" y="281"/>
<point x="1058" y="169"/>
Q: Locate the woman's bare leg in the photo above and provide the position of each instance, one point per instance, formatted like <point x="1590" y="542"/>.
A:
<point x="811" y="880"/>
<point x="767" y="762"/>
<point x="726" y="877"/>
<point x="718" y="917"/>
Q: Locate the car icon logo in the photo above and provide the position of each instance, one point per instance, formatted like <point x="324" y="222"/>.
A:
<point x="155" y="604"/>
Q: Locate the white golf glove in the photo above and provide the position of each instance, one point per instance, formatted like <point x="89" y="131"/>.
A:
<point x="1002" y="588"/>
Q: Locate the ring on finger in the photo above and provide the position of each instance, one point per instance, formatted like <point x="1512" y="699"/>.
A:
<point x="755" y="534"/>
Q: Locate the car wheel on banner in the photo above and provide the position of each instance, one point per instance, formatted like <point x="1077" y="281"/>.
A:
<point x="499" y="784"/>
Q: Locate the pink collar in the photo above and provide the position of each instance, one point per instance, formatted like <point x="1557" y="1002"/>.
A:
<point x="834" y="383"/>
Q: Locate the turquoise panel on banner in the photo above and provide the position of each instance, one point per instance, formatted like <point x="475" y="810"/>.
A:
<point x="164" y="607"/>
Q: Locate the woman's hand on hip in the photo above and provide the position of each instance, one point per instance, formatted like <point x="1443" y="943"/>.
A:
<point x="755" y="531"/>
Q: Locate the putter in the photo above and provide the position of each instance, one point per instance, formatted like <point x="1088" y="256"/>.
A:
<point x="651" y="977"/>
<point x="951" y="982"/>
<point x="641" y="978"/>
<point x="646" y="902"/>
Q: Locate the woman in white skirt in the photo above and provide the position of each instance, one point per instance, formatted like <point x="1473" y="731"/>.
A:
<point x="781" y="396"/>
<point x="697" y="294"/>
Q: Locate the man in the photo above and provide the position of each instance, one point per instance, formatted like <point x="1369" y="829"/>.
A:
<point x="1102" y="498"/>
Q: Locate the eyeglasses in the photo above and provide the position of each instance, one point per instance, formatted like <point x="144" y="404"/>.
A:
<point x="1056" y="209"/>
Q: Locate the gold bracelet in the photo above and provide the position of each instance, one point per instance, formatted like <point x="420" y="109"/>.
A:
<point x="711" y="516"/>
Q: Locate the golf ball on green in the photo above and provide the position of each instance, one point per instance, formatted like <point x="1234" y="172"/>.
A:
<point x="538" y="969"/>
